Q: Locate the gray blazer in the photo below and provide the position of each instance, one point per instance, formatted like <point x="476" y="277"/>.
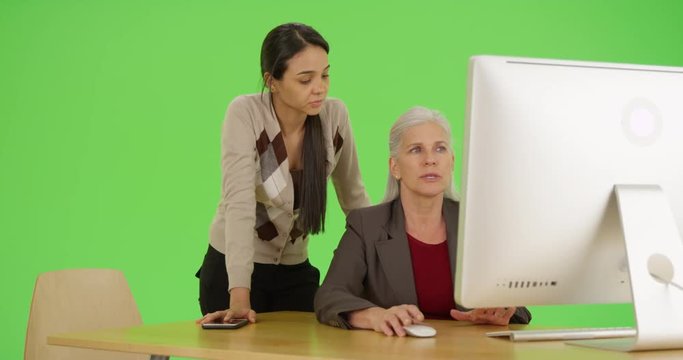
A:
<point x="372" y="266"/>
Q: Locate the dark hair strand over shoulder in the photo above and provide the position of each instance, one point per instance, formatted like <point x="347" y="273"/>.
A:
<point x="279" y="46"/>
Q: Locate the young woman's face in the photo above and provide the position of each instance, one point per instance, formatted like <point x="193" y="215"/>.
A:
<point x="424" y="162"/>
<point x="303" y="86"/>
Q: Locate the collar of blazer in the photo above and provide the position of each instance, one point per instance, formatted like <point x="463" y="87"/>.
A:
<point x="394" y="252"/>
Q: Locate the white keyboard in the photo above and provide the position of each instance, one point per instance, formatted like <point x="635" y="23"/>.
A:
<point x="565" y="334"/>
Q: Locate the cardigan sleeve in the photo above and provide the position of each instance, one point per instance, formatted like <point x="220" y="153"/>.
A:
<point x="342" y="289"/>
<point x="346" y="176"/>
<point x="238" y="167"/>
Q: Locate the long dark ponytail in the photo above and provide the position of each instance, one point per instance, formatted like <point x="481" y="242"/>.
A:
<point x="280" y="45"/>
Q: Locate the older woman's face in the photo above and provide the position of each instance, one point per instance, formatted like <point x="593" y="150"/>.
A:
<point x="424" y="163"/>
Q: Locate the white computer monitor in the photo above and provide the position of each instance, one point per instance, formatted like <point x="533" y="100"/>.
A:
<point x="566" y="165"/>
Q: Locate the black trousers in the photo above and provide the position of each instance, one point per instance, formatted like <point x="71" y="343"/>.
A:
<point x="273" y="287"/>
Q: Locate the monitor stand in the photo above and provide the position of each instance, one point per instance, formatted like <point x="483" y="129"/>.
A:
<point x="654" y="251"/>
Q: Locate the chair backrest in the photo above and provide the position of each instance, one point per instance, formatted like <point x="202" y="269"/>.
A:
<point x="78" y="300"/>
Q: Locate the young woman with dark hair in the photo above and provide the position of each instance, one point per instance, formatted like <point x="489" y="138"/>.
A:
<point x="278" y="150"/>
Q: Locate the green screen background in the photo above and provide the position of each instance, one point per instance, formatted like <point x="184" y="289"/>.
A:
<point x="110" y="116"/>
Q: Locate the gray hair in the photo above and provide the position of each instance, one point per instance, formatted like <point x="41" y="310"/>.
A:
<point x="415" y="116"/>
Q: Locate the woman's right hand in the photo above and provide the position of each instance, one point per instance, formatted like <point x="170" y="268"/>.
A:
<point x="388" y="321"/>
<point x="240" y="308"/>
<point x="226" y="315"/>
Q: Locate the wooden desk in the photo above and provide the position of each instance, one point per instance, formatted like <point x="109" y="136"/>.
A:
<point x="293" y="335"/>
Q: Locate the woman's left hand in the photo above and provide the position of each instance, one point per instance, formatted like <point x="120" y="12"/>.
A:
<point x="492" y="316"/>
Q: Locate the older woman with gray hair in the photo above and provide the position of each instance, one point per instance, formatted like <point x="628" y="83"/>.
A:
<point x="394" y="265"/>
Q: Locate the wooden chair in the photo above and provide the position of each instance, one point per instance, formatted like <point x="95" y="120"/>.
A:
<point x="79" y="300"/>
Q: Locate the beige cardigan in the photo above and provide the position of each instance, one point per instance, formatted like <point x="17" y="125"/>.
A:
<point x="255" y="220"/>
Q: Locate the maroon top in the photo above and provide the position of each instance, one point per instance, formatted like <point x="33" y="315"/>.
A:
<point x="433" y="280"/>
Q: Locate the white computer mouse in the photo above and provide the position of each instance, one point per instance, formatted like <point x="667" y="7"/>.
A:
<point x="419" y="330"/>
